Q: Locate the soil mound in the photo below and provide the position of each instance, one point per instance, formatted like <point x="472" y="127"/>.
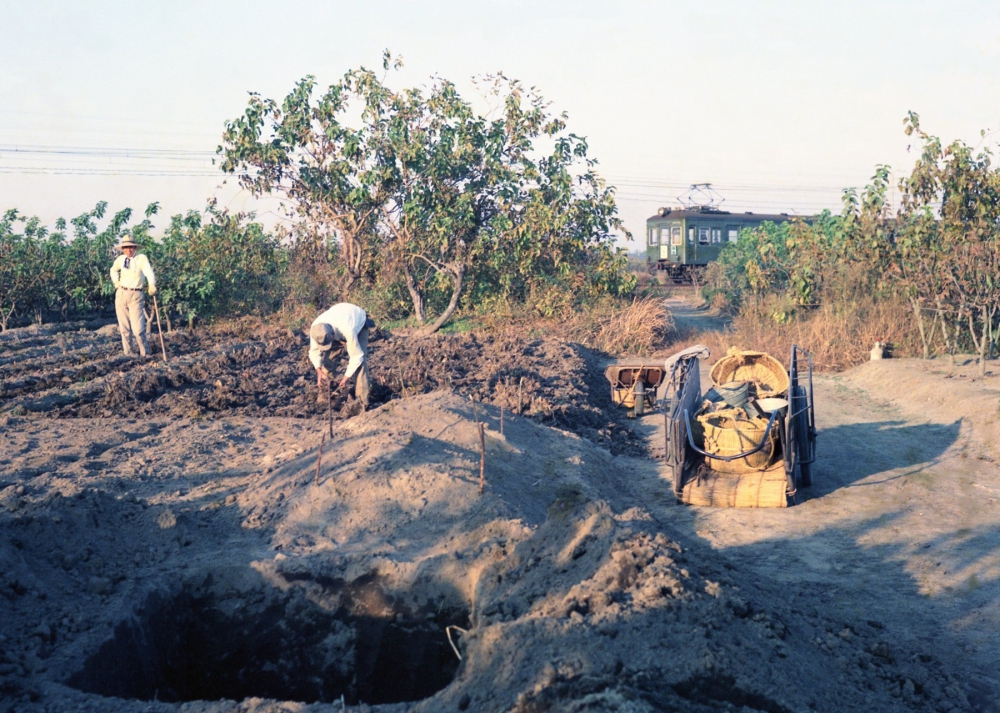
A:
<point x="933" y="390"/>
<point x="372" y="568"/>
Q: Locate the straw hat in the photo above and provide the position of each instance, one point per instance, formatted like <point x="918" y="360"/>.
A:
<point x="322" y="334"/>
<point x="127" y="242"/>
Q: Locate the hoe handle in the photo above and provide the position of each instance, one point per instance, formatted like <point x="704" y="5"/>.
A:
<point x="159" y="328"/>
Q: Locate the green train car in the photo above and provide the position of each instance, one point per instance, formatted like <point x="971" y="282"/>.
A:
<point x="684" y="241"/>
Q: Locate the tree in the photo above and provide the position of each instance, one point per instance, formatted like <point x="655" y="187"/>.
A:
<point x="305" y="153"/>
<point x="454" y="201"/>
<point x="20" y="266"/>
<point x="949" y="240"/>
<point x="228" y="265"/>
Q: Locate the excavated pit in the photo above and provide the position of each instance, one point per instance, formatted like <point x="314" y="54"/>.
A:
<point x="194" y="645"/>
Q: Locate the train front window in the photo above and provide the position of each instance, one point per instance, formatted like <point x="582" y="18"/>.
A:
<point x="652" y="236"/>
<point x="675" y="233"/>
<point x="703" y="236"/>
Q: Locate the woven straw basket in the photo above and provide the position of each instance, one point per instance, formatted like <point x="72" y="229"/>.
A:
<point x="728" y="432"/>
<point x="766" y="372"/>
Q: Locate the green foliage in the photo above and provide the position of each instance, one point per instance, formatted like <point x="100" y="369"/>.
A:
<point x="50" y="272"/>
<point x="940" y="251"/>
<point x="415" y="189"/>
<point x="228" y="266"/>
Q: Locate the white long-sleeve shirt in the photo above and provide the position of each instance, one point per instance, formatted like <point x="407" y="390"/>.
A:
<point x="347" y="321"/>
<point x="132" y="272"/>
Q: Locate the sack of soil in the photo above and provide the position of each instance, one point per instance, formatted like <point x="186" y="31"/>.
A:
<point x="730" y="431"/>
<point x="765" y="373"/>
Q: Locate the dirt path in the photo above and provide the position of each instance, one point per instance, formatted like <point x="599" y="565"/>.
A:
<point x="691" y="313"/>
<point x="901" y="531"/>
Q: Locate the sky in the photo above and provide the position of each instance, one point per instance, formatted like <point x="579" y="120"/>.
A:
<point x="780" y="105"/>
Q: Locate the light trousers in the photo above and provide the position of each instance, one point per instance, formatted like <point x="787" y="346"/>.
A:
<point x="130" y="308"/>
<point x="362" y="382"/>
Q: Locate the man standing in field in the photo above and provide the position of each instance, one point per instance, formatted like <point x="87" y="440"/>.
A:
<point x="130" y="273"/>
<point x="348" y="325"/>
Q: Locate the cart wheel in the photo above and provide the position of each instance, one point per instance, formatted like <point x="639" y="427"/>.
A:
<point x="805" y="474"/>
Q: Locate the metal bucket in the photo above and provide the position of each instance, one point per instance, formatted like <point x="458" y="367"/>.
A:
<point x="734" y="393"/>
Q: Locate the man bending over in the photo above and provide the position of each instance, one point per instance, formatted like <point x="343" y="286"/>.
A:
<point x="346" y="325"/>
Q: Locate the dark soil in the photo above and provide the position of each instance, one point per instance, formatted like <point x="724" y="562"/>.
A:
<point x="246" y="368"/>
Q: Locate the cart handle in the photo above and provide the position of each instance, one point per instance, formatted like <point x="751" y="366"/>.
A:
<point x="727" y="459"/>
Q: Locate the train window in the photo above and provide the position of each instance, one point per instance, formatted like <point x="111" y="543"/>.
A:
<point x="733" y="233"/>
<point x="691" y="234"/>
<point x="716" y="235"/>
<point x="676" y="238"/>
<point x="652" y="236"/>
<point x="703" y="236"/>
<point x="664" y="236"/>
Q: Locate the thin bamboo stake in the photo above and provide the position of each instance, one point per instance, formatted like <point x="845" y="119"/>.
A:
<point x="475" y="411"/>
<point x="402" y="383"/>
<point x="159" y="328"/>
<point x="501" y="419"/>
<point x="482" y="458"/>
<point x="319" y="458"/>
<point x="329" y="406"/>
<point x="520" y="389"/>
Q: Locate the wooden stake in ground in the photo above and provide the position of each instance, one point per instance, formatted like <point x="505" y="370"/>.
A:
<point x="159" y="328"/>
<point x="402" y="383"/>
<point x="329" y="406"/>
<point x="520" y="389"/>
<point x="482" y="458"/>
<point x="319" y="458"/>
<point x="475" y="411"/>
<point x="501" y="419"/>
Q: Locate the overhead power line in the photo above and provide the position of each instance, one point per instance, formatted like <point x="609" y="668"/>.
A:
<point x="107" y="152"/>
<point x="82" y="171"/>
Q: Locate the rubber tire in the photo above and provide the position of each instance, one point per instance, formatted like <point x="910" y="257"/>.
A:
<point x="805" y="474"/>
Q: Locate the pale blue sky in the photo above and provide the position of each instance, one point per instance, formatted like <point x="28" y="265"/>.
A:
<point x="779" y="104"/>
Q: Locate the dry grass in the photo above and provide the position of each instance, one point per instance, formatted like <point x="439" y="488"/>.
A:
<point x="838" y="337"/>
<point x="638" y="326"/>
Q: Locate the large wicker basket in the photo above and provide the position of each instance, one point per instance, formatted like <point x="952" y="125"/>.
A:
<point x="731" y="431"/>
<point x="767" y="374"/>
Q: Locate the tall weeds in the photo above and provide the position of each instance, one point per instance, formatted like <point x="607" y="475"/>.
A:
<point x="638" y="326"/>
<point x="839" y="336"/>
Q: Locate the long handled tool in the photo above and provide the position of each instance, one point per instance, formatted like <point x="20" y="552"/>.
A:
<point x="329" y="407"/>
<point x="159" y="328"/>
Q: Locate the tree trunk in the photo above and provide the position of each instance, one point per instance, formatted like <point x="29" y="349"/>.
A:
<point x="347" y="285"/>
<point x="924" y="339"/>
<point x="991" y="330"/>
<point x="979" y="343"/>
<point x="984" y="341"/>
<point x="948" y="340"/>
<point x="415" y="296"/>
<point x="458" y="270"/>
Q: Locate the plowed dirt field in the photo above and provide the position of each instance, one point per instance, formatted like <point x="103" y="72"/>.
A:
<point x="185" y="536"/>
